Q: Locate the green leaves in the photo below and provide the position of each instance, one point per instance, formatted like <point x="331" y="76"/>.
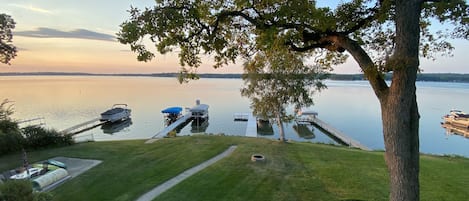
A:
<point x="276" y="78"/>
<point x="230" y="29"/>
<point x="7" y="49"/>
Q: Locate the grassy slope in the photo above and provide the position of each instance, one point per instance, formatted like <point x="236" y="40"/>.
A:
<point x="293" y="171"/>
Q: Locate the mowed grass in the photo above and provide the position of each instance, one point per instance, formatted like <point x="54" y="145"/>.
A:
<point x="291" y="171"/>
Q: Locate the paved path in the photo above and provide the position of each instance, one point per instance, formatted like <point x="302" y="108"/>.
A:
<point x="150" y="195"/>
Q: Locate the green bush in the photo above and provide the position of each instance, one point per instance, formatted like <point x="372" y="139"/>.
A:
<point x="38" y="137"/>
<point x="17" y="190"/>
<point x="11" y="139"/>
<point x="21" y="190"/>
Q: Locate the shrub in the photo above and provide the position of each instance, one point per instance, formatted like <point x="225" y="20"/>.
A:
<point x="10" y="137"/>
<point x="21" y="190"/>
<point x="38" y="137"/>
<point x="18" y="190"/>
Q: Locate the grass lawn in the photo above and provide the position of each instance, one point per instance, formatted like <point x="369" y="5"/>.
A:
<point x="292" y="171"/>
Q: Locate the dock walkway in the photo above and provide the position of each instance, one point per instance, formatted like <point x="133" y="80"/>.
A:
<point x="172" y="126"/>
<point x="338" y="134"/>
<point x="251" y="127"/>
<point x="87" y="125"/>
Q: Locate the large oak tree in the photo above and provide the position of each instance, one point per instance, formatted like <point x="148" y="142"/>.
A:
<point x="383" y="36"/>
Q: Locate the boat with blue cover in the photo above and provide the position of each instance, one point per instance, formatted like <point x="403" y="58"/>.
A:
<point x="172" y="114"/>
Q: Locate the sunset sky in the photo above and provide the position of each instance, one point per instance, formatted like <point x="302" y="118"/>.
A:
<point x="79" y="36"/>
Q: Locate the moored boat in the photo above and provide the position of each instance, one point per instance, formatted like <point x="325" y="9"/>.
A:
<point x="118" y="112"/>
<point x="457" y="118"/>
<point x="172" y="114"/>
<point x="200" y="112"/>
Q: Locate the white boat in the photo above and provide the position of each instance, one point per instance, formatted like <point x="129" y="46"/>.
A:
<point x="457" y="118"/>
<point x="118" y="112"/>
<point x="305" y="117"/>
<point x="199" y="111"/>
<point x="32" y="172"/>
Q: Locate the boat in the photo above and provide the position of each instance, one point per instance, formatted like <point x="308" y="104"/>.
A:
<point x="172" y="114"/>
<point x="199" y="112"/>
<point x="457" y="118"/>
<point x="305" y="117"/>
<point x="30" y="173"/>
<point x="118" y="112"/>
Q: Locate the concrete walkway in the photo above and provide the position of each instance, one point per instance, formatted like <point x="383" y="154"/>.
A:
<point x="150" y="195"/>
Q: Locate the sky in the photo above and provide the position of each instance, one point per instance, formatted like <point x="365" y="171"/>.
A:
<point x="79" y="36"/>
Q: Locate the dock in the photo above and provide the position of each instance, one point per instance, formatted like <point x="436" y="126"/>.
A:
<point x="173" y="126"/>
<point x="38" y="121"/>
<point x="241" y="116"/>
<point x="251" y="127"/>
<point x="82" y="127"/>
<point x="338" y="134"/>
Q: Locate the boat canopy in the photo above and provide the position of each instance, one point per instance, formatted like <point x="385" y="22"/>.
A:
<point x="172" y="110"/>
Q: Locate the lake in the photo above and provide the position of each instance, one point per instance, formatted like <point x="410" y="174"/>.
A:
<point x="349" y="106"/>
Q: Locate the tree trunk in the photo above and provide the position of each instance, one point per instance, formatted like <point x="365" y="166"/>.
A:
<point x="280" y="127"/>
<point x="399" y="106"/>
<point x="400" y="117"/>
<point x="399" y="110"/>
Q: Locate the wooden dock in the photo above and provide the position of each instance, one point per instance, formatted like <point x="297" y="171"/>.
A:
<point x="338" y="134"/>
<point x="82" y="127"/>
<point x="173" y="126"/>
<point x="251" y="127"/>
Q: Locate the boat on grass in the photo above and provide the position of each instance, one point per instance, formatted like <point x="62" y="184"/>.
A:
<point x="27" y="174"/>
<point x="118" y="112"/>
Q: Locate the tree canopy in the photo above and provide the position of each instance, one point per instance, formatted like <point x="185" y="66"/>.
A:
<point x="7" y="49"/>
<point x="276" y="78"/>
<point x="382" y="36"/>
<point x="231" y="29"/>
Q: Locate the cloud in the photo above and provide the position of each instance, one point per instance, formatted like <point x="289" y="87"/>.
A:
<point x="43" y="32"/>
<point x="32" y="8"/>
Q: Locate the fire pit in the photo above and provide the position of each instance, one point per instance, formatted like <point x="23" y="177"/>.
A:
<point x="257" y="157"/>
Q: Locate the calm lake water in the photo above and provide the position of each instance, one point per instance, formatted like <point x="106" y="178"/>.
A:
<point x="350" y="106"/>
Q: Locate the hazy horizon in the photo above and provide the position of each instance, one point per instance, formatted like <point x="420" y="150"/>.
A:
<point x="80" y="36"/>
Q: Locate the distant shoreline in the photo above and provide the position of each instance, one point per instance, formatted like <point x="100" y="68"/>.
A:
<point x="433" y="77"/>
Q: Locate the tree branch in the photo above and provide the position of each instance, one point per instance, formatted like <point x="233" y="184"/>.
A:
<point x="366" y="64"/>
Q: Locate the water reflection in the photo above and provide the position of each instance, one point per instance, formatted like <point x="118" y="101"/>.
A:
<point x="304" y="131"/>
<point x="111" y="128"/>
<point x="455" y="130"/>
<point x="264" y="127"/>
<point x="350" y="106"/>
<point x="199" y="125"/>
